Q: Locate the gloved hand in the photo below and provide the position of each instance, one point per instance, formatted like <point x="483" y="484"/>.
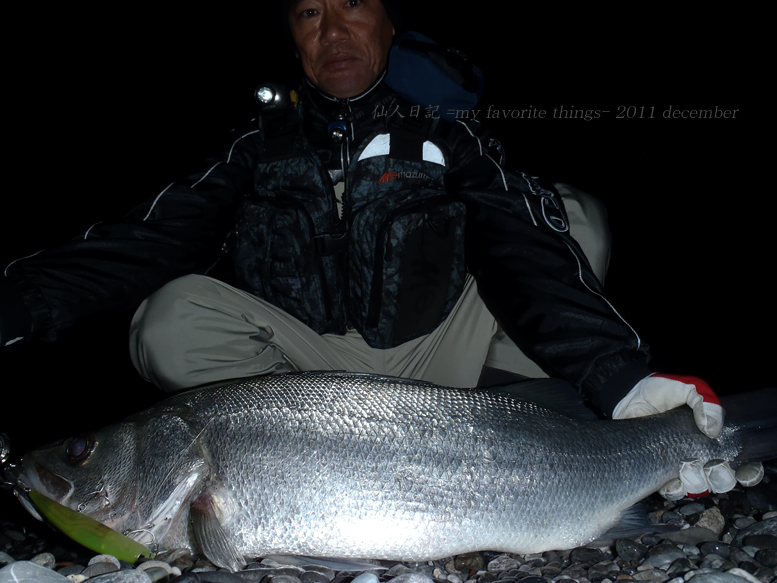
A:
<point x="715" y="476"/>
<point x="658" y="393"/>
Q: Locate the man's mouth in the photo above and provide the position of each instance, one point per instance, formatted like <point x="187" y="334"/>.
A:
<point x="337" y="62"/>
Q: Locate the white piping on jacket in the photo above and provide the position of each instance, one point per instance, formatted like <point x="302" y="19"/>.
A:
<point x="580" y="277"/>
<point x="204" y="176"/>
<point x="5" y="271"/>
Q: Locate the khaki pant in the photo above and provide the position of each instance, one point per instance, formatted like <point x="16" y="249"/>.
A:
<point x="197" y="330"/>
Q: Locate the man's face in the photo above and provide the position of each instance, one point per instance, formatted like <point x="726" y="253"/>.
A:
<point x="343" y="44"/>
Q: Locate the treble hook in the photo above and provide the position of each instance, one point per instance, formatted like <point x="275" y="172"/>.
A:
<point x="5" y="465"/>
<point x="9" y="480"/>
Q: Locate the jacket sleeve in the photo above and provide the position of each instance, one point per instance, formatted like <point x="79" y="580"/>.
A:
<point x="536" y="280"/>
<point x="114" y="265"/>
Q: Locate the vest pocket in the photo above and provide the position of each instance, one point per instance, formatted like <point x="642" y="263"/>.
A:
<point x="416" y="248"/>
<point x="275" y="259"/>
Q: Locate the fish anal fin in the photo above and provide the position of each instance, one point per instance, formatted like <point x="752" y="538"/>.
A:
<point x="330" y="563"/>
<point x="211" y="536"/>
<point x="633" y="524"/>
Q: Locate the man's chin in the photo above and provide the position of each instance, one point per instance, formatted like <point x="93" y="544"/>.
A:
<point x="344" y="84"/>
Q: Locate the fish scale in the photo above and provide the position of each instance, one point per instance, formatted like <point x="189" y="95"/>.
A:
<point x="358" y="466"/>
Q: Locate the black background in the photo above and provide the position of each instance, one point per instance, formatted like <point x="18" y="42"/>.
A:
<point x="103" y="114"/>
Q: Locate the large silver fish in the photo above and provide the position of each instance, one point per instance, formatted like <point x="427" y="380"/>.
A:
<point x="346" y="465"/>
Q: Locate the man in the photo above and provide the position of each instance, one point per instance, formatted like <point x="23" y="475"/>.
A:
<point x="386" y="244"/>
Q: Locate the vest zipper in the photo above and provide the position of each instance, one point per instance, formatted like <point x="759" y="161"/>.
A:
<point x="317" y="261"/>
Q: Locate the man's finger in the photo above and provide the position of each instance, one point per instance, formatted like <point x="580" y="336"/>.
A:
<point x="693" y="478"/>
<point x="719" y="476"/>
<point x="750" y="474"/>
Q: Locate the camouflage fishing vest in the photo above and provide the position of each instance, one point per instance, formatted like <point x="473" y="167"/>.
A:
<point x="393" y="267"/>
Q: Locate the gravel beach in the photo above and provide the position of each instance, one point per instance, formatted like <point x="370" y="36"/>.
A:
<point x="723" y="538"/>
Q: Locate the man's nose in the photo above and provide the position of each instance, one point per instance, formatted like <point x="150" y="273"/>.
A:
<point x="334" y="27"/>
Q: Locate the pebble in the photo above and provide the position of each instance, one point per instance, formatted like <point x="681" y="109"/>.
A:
<point x="629" y="550"/>
<point x="761" y="541"/>
<point x="469" y="562"/>
<point x="44" y="560"/>
<point x="744" y="522"/>
<point x="503" y="563"/>
<point x="652" y="574"/>
<point x="29" y="572"/>
<point x="744" y="574"/>
<point x="762" y="527"/>
<point x="313" y="577"/>
<point x="366" y="577"/>
<point x="146" y="565"/>
<point x="717" y="548"/>
<point x="717" y="578"/>
<point x="585" y="555"/>
<point x="664" y="559"/>
<point x="209" y="577"/>
<point x="680" y="566"/>
<point x="70" y="570"/>
<point x="692" y="536"/>
<point x="133" y="576"/>
<point x="711" y="519"/>
<point x="693" y="508"/>
<point x="413" y="578"/>
<point x="157" y="574"/>
<point x="99" y="568"/>
<point x="767" y="557"/>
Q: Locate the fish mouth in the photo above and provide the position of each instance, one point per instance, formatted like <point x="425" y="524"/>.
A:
<point x="35" y="476"/>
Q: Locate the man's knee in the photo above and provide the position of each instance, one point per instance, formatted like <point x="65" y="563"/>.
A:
<point x="162" y="331"/>
<point x="588" y="225"/>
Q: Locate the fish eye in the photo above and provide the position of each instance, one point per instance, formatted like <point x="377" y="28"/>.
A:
<point x="79" y="449"/>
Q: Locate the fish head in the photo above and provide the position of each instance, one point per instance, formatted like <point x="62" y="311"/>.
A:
<point x="91" y="473"/>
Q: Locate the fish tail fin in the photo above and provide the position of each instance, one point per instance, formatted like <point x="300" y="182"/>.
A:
<point x="755" y="415"/>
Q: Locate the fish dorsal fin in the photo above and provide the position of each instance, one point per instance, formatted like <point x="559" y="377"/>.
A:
<point x="211" y="536"/>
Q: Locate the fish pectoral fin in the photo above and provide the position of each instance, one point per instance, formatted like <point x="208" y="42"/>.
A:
<point x="633" y="523"/>
<point x="211" y="536"/>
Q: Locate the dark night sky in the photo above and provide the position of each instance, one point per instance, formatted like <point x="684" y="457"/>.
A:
<point x="105" y="116"/>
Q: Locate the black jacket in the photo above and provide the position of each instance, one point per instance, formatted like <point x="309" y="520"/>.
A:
<point x="531" y="274"/>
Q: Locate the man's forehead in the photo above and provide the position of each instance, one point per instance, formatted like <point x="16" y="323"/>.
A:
<point x="289" y="5"/>
<point x="292" y="4"/>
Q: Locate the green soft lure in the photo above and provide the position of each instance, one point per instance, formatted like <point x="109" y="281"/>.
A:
<point x="88" y="532"/>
